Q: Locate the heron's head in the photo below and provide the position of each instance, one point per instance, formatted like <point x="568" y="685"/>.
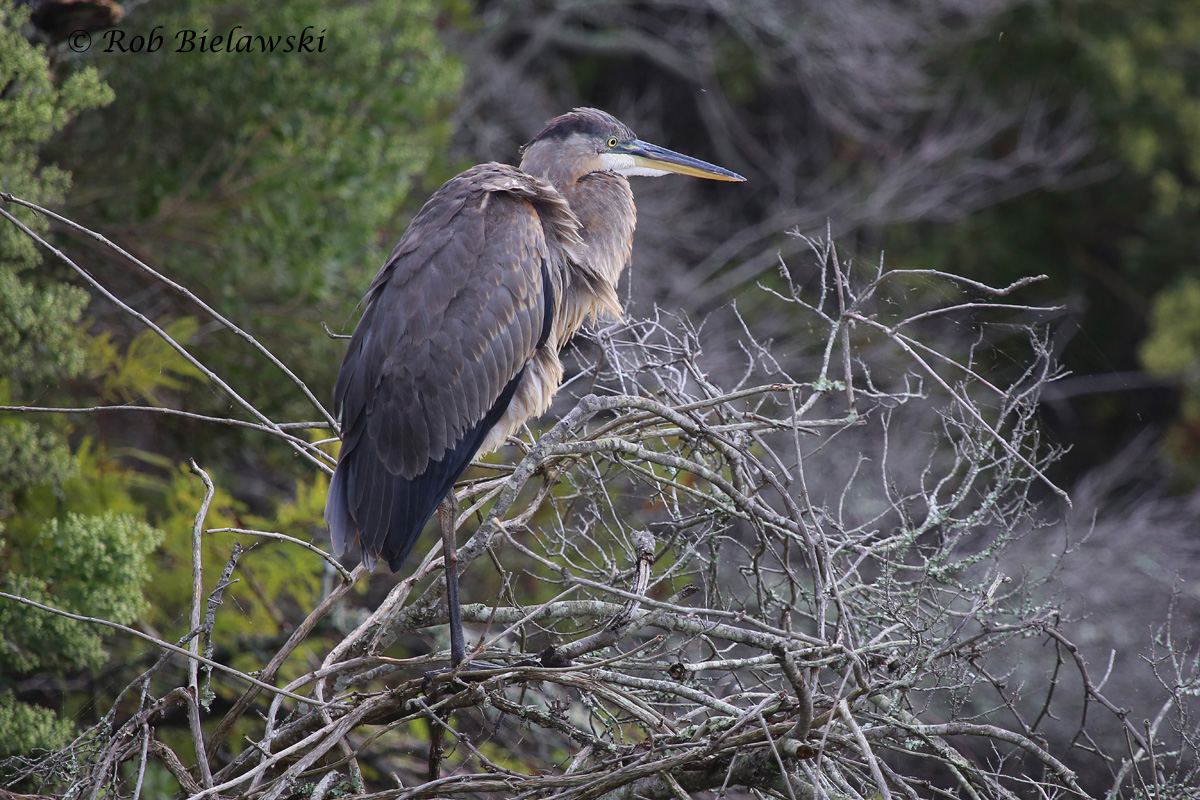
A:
<point x="589" y="140"/>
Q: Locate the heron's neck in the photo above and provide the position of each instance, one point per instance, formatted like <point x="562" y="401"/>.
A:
<point x="603" y="202"/>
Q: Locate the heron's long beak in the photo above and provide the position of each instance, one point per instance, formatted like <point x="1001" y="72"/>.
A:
<point x="659" y="159"/>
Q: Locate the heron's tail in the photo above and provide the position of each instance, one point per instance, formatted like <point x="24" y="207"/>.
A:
<point x="385" y="512"/>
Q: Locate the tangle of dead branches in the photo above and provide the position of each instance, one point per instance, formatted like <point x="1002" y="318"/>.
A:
<point x="771" y="578"/>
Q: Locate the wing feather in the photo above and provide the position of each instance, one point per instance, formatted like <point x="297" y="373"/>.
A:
<point x="450" y="323"/>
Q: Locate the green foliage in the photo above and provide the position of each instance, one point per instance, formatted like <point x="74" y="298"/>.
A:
<point x="272" y="183"/>
<point x="1172" y="349"/>
<point x="39" y="343"/>
<point x="275" y="581"/>
<point x="92" y="565"/>
<point x="38" y="340"/>
<point x="32" y="109"/>
<point x="1134" y="64"/>
<point x="25" y="728"/>
<point x="1114" y="243"/>
<point x="148" y="365"/>
<point x="35" y="456"/>
<point x="89" y="565"/>
<point x="1172" y="346"/>
<point x="1152" y="108"/>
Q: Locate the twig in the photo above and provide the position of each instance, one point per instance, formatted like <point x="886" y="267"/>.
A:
<point x="312" y="548"/>
<point x="174" y="345"/>
<point x="195" y="701"/>
<point x="182" y="290"/>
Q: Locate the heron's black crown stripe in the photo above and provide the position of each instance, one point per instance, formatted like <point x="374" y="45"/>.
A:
<point x="586" y="121"/>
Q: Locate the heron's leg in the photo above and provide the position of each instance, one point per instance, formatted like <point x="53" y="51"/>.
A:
<point x="447" y="514"/>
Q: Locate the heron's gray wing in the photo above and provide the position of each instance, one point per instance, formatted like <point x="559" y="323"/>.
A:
<point x="450" y="323"/>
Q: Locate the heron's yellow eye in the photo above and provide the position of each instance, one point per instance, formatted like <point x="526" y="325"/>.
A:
<point x="612" y="141"/>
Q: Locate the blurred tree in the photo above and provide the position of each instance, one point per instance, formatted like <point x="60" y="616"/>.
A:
<point x="1171" y="350"/>
<point x="847" y="112"/>
<point x="1004" y="138"/>
<point x="88" y="563"/>
<point x="1120" y="243"/>
<point x="270" y="183"/>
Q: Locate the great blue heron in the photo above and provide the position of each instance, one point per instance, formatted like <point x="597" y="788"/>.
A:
<point x="458" y="343"/>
